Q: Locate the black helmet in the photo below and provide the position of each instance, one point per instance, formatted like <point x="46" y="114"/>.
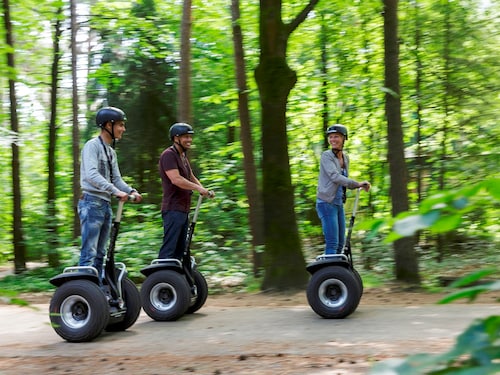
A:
<point x="337" y="128"/>
<point x="180" y="128"/>
<point x="107" y="114"/>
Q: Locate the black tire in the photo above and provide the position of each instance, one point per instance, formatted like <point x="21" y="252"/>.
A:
<point x="132" y="299"/>
<point x="333" y="292"/>
<point x="79" y="311"/>
<point x="201" y="292"/>
<point x="359" y="279"/>
<point x="165" y="295"/>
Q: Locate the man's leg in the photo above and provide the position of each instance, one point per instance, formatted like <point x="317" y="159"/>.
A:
<point x="175" y="225"/>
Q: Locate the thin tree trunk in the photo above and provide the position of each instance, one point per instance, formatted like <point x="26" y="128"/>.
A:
<point x="51" y="190"/>
<point x="75" y="127"/>
<point x="184" y="94"/>
<point x="405" y="256"/>
<point x="251" y="186"/>
<point x="325" y="115"/>
<point x="17" y="224"/>
<point x="441" y="240"/>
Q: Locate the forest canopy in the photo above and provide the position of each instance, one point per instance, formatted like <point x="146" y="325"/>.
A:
<point x="128" y="55"/>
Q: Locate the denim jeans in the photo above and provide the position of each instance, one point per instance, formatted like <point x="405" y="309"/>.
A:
<point x="175" y="227"/>
<point x="333" y="222"/>
<point x="95" y="220"/>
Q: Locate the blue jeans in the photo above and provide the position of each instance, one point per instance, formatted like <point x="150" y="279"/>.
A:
<point x="333" y="222"/>
<point x="95" y="219"/>
<point x="175" y="227"/>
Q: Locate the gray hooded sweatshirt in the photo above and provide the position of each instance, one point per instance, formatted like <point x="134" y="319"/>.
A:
<point x="330" y="176"/>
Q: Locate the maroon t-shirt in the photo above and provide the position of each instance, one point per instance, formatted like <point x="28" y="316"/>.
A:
<point x="174" y="198"/>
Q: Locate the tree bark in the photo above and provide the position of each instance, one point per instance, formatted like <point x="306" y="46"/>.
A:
<point x="284" y="263"/>
<point x="17" y="224"/>
<point x="184" y="94"/>
<point x="405" y="256"/>
<point x="75" y="128"/>
<point x="251" y="186"/>
<point x="52" y="240"/>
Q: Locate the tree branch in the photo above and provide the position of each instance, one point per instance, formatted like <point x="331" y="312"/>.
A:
<point x="301" y="16"/>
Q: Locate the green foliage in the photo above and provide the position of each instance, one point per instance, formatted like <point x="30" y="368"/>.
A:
<point x="473" y="291"/>
<point x="133" y="63"/>
<point x="442" y="212"/>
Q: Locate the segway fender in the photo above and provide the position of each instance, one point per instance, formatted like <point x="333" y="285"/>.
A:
<point x="162" y="264"/>
<point x="64" y="277"/>
<point x="328" y="260"/>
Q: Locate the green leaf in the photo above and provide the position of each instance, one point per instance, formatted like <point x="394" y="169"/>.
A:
<point x="413" y="223"/>
<point x="472" y="292"/>
<point x="446" y="223"/>
<point x="493" y="187"/>
<point x="472" y="278"/>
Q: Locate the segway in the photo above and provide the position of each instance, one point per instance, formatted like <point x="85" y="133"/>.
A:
<point x="82" y="306"/>
<point x="335" y="287"/>
<point x="174" y="287"/>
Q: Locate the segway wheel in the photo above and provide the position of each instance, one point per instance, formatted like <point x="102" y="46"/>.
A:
<point x="165" y="295"/>
<point x="201" y="292"/>
<point x="132" y="300"/>
<point x="79" y="311"/>
<point x="333" y="292"/>
<point x="359" y="279"/>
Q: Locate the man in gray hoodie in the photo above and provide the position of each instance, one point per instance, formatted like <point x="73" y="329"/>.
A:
<point x="332" y="182"/>
<point x="100" y="180"/>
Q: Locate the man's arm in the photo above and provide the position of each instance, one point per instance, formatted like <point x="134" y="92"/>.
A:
<point x="183" y="183"/>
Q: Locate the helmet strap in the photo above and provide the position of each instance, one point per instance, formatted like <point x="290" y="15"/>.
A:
<point x="181" y="146"/>
<point x="111" y="133"/>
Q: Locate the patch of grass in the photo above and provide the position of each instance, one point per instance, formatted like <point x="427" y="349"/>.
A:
<point x="35" y="280"/>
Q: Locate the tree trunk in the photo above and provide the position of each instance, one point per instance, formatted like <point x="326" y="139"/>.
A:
<point x="405" y="256"/>
<point x="251" y="186"/>
<point x="284" y="263"/>
<point x="52" y="239"/>
<point x="75" y="127"/>
<point x="184" y="94"/>
<point x="17" y="224"/>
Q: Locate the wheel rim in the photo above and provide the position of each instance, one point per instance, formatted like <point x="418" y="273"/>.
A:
<point x="332" y="292"/>
<point x="163" y="296"/>
<point x="75" y="312"/>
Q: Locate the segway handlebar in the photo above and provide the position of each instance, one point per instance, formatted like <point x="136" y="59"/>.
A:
<point x="119" y="210"/>
<point x="356" y="200"/>
<point x="211" y="194"/>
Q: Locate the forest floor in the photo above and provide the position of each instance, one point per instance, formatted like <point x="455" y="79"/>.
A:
<point x="247" y="334"/>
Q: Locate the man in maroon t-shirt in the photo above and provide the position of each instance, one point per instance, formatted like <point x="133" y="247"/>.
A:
<point x="178" y="183"/>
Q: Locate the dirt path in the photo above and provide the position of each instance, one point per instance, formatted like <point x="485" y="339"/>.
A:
<point x="243" y="334"/>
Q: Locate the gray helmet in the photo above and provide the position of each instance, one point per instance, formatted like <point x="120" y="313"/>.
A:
<point x="337" y="128"/>
<point x="180" y="128"/>
<point x="107" y="114"/>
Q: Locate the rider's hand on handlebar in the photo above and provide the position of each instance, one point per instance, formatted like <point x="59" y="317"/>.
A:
<point x="137" y="198"/>
<point x="365" y="185"/>
<point x="207" y="193"/>
<point x="133" y="197"/>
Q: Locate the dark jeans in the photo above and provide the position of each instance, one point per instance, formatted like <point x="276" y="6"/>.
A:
<point x="175" y="227"/>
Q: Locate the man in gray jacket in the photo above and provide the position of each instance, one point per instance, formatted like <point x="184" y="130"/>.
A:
<point x="100" y="180"/>
<point x="332" y="182"/>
